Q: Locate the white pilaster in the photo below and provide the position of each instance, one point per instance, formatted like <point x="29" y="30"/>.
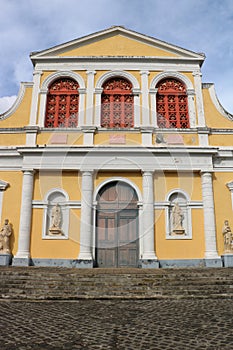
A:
<point x="209" y="219"/>
<point x="153" y="93"/>
<point x="86" y="228"/>
<point x="145" y="99"/>
<point x="199" y="98"/>
<point x="98" y="92"/>
<point x="148" y="217"/>
<point x="90" y="97"/>
<point x="191" y="108"/>
<point x="137" y="117"/>
<point x="22" y="256"/>
<point x="43" y="96"/>
<point x="35" y="97"/>
<point x="82" y="92"/>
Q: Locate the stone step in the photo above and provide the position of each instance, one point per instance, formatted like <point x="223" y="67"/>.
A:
<point x="68" y="284"/>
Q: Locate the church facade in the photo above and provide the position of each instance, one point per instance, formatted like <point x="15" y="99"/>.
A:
<point x="117" y="155"/>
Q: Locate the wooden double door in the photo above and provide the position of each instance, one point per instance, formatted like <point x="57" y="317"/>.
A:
<point x="117" y="227"/>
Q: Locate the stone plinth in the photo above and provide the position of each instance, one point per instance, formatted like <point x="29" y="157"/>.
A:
<point x="228" y="260"/>
<point x="5" y="259"/>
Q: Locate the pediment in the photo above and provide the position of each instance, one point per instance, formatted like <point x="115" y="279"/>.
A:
<point x="116" y="42"/>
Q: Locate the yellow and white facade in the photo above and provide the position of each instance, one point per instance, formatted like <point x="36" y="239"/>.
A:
<point x="117" y="184"/>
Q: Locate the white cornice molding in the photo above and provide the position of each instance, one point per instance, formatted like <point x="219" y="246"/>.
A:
<point x="116" y="30"/>
<point x="13" y="108"/>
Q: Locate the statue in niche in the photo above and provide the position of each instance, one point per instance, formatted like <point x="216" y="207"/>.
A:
<point x="177" y="220"/>
<point x="56" y="217"/>
<point x="5" y="234"/>
<point x="228" y="238"/>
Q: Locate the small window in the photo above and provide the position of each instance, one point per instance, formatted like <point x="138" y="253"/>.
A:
<point x="117" y="104"/>
<point x="62" y="104"/>
<point x="172" y="104"/>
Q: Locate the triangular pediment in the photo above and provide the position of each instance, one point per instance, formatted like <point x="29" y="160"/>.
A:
<point x="116" y="42"/>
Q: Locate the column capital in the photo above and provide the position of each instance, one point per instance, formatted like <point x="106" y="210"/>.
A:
<point x="197" y="73"/>
<point x="90" y="72"/>
<point x="144" y="72"/>
<point x="230" y="186"/>
<point x="82" y="90"/>
<point x="37" y="72"/>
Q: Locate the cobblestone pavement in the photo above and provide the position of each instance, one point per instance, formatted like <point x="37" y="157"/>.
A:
<point x="116" y="324"/>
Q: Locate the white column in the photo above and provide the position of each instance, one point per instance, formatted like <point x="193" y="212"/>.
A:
<point x="153" y="93"/>
<point x="199" y="98"/>
<point x="35" y="97"/>
<point x="22" y="256"/>
<point x="90" y="97"/>
<point x="86" y="227"/>
<point x="209" y="217"/>
<point x="148" y="217"/>
<point x="145" y="99"/>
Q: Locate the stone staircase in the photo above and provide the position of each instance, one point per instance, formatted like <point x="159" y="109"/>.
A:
<point x="41" y="283"/>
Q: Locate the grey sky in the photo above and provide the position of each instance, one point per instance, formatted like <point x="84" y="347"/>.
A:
<point x="198" y="25"/>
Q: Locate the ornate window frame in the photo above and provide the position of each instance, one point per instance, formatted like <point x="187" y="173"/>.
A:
<point x="44" y="90"/>
<point x="136" y="91"/>
<point x="189" y="89"/>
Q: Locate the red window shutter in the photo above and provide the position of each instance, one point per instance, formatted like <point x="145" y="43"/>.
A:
<point x="117" y="104"/>
<point x="62" y="104"/>
<point x="172" y="104"/>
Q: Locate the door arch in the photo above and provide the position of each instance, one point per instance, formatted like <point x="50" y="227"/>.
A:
<point x="117" y="232"/>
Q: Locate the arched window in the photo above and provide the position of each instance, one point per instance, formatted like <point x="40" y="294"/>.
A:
<point x="62" y="104"/>
<point x="117" y="108"/>
<point x="172" y="104"/>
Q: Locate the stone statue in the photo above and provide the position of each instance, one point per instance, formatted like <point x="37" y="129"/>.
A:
<point x="177" y="220"/>
<point x="228" y="238"/>
<point x="56" y="220"/>
<point x="5" y="234"/>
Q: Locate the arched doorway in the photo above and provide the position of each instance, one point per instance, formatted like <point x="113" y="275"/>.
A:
<point x="117" y="243"/>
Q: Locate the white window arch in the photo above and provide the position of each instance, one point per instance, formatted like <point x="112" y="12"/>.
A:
<point x="52" y="198"/>
<point x="179" y="199"/>
<point x="44" y="90"/>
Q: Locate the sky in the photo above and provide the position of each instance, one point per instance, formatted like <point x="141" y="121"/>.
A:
<point x="197" y="25"/>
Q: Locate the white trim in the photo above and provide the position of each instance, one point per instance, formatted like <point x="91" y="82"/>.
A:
<point x="118" y="73"/>
<point x="199" y="97"/>
<point x="171" y="74"/>
<point x="35" y="98"/>
<point x="13" y="108"/>
<point x="3" y="186"/>
<point x="217" y="103"/>
<point x="60" y="74"/>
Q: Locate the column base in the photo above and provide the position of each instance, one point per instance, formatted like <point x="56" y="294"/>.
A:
<point x="21" y="261"/>
<point x="148" y="264"/>
<point x="227" y="260"/>
<point x="213" y="262"/>
<point x="5" y="259"/>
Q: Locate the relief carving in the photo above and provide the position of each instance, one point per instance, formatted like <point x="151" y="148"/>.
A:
<point x="56" y="218"/>
<point x="177" y="220"/>
<point x="228" y="238"/>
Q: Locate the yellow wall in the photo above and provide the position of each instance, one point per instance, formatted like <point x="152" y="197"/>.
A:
<point x="21" y="116"/>
<point x="12" y="204"/>
<point x="117" y="45"/>
<point x="223" y="205"/>
<point x="49" y="138"/>
<point x="103" y="138"/>
<point x="15" y="139"/>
